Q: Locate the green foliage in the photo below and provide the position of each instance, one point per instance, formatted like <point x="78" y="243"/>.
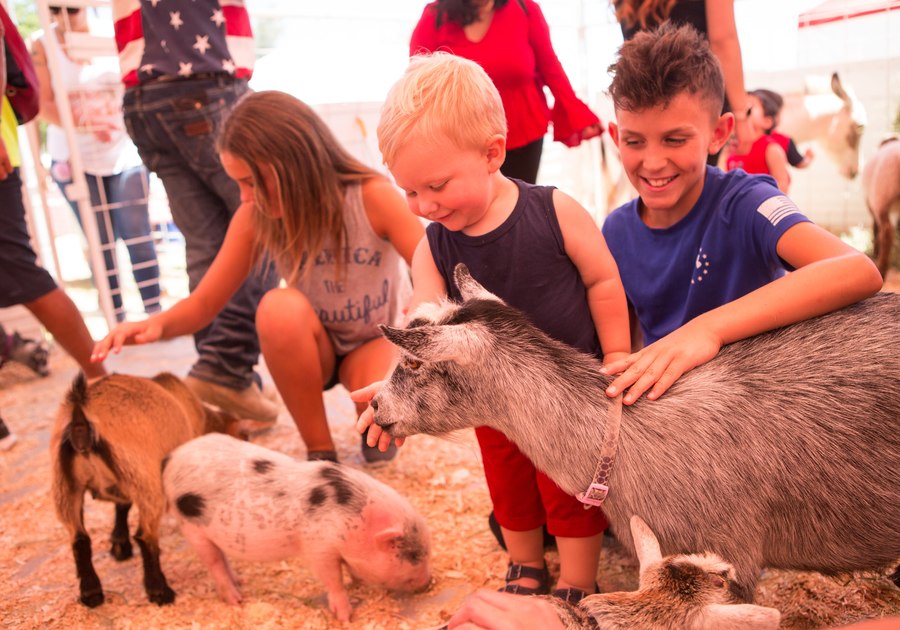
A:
<point x="266" y="32"/>
<point x="26" y="17"/>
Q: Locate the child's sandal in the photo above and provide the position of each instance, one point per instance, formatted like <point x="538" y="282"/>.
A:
<point x="517" y="571"/>
<point x="573" y="595"/>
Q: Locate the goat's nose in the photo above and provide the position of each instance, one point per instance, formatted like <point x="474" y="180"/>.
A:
<point x="374" y="404"/>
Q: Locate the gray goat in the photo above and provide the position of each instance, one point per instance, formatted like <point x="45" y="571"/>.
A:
<point x="783" y="451"/>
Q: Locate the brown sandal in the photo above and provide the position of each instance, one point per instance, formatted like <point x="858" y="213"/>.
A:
<point x="517" y="571"/>
<point x="573" y="595"/>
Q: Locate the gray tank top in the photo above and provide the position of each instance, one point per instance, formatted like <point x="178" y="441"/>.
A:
<point x="374" y="288"/>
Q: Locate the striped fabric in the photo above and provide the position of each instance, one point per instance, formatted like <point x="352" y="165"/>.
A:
<point x="157" y="39"/>
<point x="777" y="208"/>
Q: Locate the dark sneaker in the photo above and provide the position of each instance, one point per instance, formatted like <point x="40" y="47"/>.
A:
<point x="246" y="403"/>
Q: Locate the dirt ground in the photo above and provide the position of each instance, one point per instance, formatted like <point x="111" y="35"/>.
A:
<point x="442" y="478"/>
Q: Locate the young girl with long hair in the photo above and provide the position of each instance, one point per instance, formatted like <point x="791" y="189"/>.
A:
<point x="341" y="237"/>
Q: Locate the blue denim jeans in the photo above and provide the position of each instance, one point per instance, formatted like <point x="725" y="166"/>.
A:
<point x="174" y="125"/>
<point x="124" y="195"/>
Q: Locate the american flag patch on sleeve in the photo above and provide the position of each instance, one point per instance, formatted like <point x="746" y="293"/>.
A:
<point x="777" y="208"/>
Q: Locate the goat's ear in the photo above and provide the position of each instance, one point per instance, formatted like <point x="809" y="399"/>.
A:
<point x="460" y="343"/>
<point x="744" y="616"/>
<point x="838" y="89"/>
<point x="645" y="544"/>
<point x="469" y="287"/>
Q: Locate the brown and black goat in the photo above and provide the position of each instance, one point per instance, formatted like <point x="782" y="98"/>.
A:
<point x="110" y="438"/>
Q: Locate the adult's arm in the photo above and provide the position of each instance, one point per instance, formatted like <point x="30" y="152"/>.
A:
<point x="49" y="112"/>
<point x="725" y="45"/>
<point x="573" y="121"/>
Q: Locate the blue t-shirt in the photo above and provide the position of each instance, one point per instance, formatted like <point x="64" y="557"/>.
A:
<point x="723" y="249"/>
<point x="524" y="263"/>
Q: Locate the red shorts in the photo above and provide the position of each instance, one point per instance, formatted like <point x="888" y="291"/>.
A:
<point x="525" y="498"/>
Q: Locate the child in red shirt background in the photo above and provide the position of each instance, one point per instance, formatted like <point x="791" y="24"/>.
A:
<point x="766" y="156"/>
<point x="773" y="103"/>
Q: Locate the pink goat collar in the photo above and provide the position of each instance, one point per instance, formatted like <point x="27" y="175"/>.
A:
<point x="596" y="493"/>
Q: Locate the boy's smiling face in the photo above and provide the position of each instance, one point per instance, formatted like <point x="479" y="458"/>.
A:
<point x="448" y="184"/>
<point x="664" y="152"/>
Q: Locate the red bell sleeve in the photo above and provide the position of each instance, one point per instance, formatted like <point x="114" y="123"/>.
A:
<point x="572" y="120"/>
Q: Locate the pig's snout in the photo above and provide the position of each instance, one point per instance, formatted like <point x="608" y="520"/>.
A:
<point x="421" y="587"/>
<point x="418" y="583"/>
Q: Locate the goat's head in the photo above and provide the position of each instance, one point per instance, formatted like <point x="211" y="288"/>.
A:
<point x="697" y="590"/>
<point x="447" y="367"/>
<point x="841" y="137"/>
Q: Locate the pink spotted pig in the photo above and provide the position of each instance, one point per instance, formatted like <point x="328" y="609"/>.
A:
<point x="239" y="499"/>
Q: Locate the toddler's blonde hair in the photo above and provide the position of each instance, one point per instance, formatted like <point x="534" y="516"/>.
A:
<point x="440" y="96"/>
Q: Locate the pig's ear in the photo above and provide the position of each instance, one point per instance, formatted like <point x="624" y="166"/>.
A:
<point x="645" y="544"/>
<point x="460" y="343"/>
<point x="469" y="287"/>
<point x="388" y="538"/>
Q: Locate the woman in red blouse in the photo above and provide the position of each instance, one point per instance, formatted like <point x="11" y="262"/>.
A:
<point x="511" y="41"/>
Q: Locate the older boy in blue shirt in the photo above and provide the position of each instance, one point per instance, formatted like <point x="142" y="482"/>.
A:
<point x="703" y="254"/>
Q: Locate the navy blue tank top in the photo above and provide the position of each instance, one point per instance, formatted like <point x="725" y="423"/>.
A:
<point x="524" y="263"/>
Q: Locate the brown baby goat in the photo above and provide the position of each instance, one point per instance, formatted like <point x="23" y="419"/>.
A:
<point x="110" y="438"/>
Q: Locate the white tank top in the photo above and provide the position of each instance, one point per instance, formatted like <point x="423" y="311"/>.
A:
<point x="374" y="289"/>
<point x="95" y="93"/>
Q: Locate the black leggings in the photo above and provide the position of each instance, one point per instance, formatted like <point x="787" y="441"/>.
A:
<point x="523" y="162"/>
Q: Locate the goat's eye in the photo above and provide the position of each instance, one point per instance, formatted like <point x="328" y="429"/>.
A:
<point x="412" y="364"/>
<point x="717" y="581"/>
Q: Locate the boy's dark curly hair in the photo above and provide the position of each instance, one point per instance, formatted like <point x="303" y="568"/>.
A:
<point x="658" y="65"/>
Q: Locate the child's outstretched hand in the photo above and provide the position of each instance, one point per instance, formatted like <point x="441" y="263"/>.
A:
<point x="660" y="364"/>
<point x="126" y="334"/>
<point x="377" y="436"/>
<point x="491" y="610"/>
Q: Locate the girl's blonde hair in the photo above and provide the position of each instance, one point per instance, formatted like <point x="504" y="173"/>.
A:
<point x="646" y="13"/>
<point x="283" y="139"/>
<point x="440" y="96"/>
